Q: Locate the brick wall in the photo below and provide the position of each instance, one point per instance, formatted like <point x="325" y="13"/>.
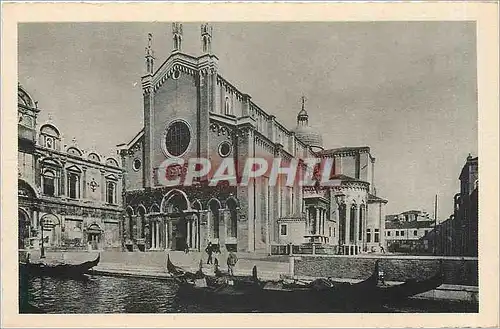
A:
<point x="175" y="99"/>
<point x="457" y="271"/>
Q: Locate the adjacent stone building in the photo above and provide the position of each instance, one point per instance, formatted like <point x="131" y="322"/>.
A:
<point x="73" y="195"/>
<point x="405" y="232"/>
<point x="458" y="235"/>
<point x="191" y="111"/>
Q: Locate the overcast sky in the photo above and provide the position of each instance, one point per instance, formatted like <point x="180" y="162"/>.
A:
<point x="406" y="89"/>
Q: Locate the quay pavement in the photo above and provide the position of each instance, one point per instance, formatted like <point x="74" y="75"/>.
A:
<point x="153" y="264"/>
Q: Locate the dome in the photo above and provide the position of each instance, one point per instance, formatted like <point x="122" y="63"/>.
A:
<point x="305" y="133"/>
<point x="309" y="136"/>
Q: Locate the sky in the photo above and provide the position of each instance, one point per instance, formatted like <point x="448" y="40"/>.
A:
<point x="406" y="89"/>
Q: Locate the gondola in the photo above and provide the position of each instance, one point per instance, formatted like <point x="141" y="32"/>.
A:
<point x="320" y="295"/>
<point x="57" y="268"/>
<point x="409" y="288"/>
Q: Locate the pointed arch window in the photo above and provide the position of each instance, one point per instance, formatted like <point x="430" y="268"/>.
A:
<point x="361" y="219"/>
<point x="227" y="106"/>
<point x="352" y="223"/>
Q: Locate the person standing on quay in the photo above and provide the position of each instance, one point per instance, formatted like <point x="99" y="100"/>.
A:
<point x="209" y="250"/>
<point x="232" y="259"/>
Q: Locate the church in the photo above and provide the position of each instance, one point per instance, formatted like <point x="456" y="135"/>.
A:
<point x="191" y="111"/>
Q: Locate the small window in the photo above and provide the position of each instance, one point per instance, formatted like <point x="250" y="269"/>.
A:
<point x="283" y="229"/>
<point x="224" y="149"/>
<point x="415" y="233"/>
<point x="397" y="233"/>
<point x="368" y="236"/>
<point x="137" y="164"/>
<point x="329" y="231"/>
<point x="377" y="235"/>
<point x="402" y="233"/>
<point x="388" y="233"/>
<point x="49" y="142"/>
<point x="426" y="231"/>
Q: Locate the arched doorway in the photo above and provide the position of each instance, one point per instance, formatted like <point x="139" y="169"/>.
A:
<point x="24" y="229"/>
<point x="173" y="205"/>
<point x="94" y="237"/>
<point x="51" y="230"/>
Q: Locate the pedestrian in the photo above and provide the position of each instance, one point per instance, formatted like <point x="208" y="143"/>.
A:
<point x="186" y="249"/>
<point x="232" y="259"/>
<point x="209" y="250"/>
<point x="382" y="250"/>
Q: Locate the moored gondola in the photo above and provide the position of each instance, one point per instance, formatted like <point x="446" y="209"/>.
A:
<point x="319" y="295"/>
<point x="56" y="268"/>
<point x="409" y="288"/>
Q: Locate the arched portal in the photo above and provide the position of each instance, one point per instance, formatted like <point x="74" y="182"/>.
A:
<point x="24" y="229"/>
<point x="51" y="230"/>
<point x="94" y="237"/>
<point x="179" y="223"/>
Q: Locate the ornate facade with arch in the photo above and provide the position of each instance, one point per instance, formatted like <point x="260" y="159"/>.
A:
<point x="192" y="111"/>
<point x="72" y="195"/>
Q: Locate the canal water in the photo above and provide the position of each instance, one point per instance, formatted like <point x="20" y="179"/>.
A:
<point x="101" y="294"/>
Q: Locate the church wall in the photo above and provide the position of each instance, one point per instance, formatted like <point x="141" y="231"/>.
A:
<point x="217" y="135"/>
<point x="245" y="195"/>
<point x="175" y="99"/>
<point x="223" y="92"/>
<point x="348" y="166"/>
<point x="364" y="167"/>
<point x="134" y="178"/>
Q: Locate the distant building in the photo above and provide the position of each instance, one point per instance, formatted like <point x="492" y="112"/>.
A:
<point x="458" y="235"/>
<point x="74" y="196"/>
<point x="404" y="232"/>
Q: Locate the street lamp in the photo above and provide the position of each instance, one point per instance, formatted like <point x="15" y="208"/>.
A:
<point x="42" y="249"/>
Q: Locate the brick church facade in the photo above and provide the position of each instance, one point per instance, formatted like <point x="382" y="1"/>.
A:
<point x="191" y="111"/>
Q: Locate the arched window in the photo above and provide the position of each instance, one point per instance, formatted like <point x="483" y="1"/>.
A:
<point x="142" y="215"/>
<point x="214" y="209"/>
<point x="73" y="185"/>
<point x="342" y="218"/>
<point x="352" y="223"/>
<point x="361" y="219"/>
<point x="233" y="219"/>
<point x="111" y="192"/>
<point x="227" y="106"/>
<point x="49" y="183"/>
